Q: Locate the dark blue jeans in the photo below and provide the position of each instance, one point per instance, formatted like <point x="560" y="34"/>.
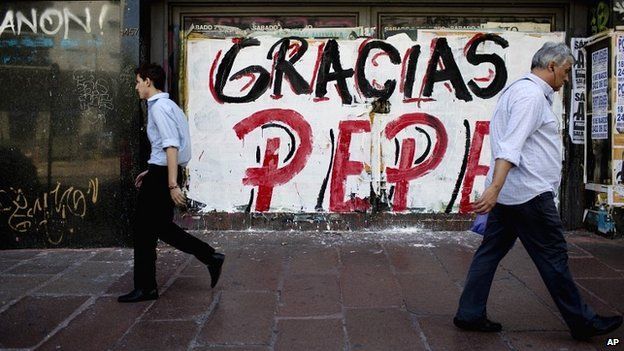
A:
<point x="538" y="225"/>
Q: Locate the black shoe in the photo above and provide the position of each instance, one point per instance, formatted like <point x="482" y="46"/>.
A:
<point x="599" y="326"/>
<point x="137" y="295"/>
<point x="214" y="268"/>
<point x="482" y="325"/>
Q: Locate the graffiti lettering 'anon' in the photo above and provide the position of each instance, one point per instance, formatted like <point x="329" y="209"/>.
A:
<point x="287" y="124"/>
<point x="50" y="21"/>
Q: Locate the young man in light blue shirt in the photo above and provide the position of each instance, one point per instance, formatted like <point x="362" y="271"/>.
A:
<point x="159" y="190"/>
<point x="519" y="196"/>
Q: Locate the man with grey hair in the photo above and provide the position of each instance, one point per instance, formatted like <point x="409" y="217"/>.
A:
<point x="520" y="188"/>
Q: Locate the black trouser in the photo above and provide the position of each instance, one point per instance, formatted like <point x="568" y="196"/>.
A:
<point x="538" y="225"/>
<point x="154" y="220"/>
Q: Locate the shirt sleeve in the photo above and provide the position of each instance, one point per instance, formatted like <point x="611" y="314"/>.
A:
<point x="165" y="122"/>
<point x="525" y="117"/>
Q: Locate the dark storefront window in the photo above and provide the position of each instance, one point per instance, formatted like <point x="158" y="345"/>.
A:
<point x="64" y="93"/>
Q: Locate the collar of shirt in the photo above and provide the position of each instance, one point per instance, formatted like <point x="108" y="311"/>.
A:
<point x="156" y="97"/>
<point x="546" y="88"/>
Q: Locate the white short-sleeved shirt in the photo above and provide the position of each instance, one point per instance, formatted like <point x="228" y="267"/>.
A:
<point x="167" y="127"/>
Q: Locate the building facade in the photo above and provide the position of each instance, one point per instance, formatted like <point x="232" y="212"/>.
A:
<point x="329" y="115"/>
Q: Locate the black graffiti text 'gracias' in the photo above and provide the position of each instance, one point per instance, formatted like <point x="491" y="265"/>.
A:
<point x="285" y="52"/>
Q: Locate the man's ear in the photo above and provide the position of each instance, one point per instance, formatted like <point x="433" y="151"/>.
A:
<point x="148" y="82"/>
<point x="551" y="66"/>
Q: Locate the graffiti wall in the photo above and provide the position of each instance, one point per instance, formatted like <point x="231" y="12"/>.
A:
<point x="67" y="93"/>
<point x="287" y="124"/>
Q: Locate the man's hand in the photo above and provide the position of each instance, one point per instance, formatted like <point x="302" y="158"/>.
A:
<point x="487" y="201"/>
<point x="178" y="197"/>
<point x="139" y="179"/>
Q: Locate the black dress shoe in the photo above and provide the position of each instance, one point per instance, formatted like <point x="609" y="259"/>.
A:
<point x="482" y="325"/>
<point x="214" y="268"/>
<point x="599" y="326"/>
<point x="137" y="295"/>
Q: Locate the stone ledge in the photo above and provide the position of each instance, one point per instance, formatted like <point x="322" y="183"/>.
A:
<point x="323" y="221"/>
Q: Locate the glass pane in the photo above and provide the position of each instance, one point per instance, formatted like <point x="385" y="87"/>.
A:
<point x="62" y="89"/>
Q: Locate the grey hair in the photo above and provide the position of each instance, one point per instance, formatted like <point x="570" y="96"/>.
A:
<point x="551" y="51"/>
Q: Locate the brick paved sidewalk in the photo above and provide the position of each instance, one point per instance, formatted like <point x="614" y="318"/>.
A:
<point x="298" y="291"/>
